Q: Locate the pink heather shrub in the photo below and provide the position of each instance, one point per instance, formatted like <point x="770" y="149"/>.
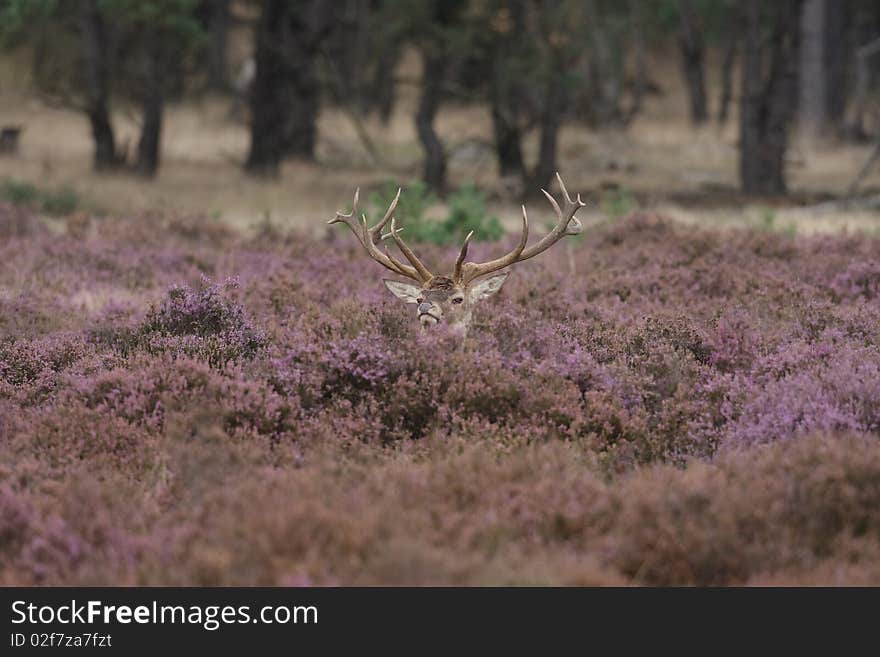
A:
<point x="667" y="406"/>
<point x="825" y="388"/>
<point x="203" y="322"/>
<point x="18" y="222"/>
<point x="24" y="361"/>
<point x="859" y="279"/>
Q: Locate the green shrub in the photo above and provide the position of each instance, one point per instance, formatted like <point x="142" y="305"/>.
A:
<point x="619" y="202"/>
<point x="57" y="202"/>
<point x="467" y="212"/>
<point x="414" y="202"/>
<point x="768" y="219"/>
<point x="60" y="202"/>
<point x="18" y="192"/>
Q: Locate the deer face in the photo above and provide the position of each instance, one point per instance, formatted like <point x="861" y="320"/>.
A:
<point x="443" y="300"/>
<point x="451" y="299"/>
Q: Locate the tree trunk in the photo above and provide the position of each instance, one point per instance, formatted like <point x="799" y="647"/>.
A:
<point x="813" y="94"/>
<point x="384" y="83"/>
<point x="308" y="26"/>
<point x="731" y="46"/>
<point x="551" y="122"/>
<point x="218" y="32"/>
<point x="151" y="136"/>
<point x="349" y="51"/>
<point x="557" y="60"/>
<point x="769" y="93"/>
<point x="96" y="63"/>
<point x="435" y="60"/>
<point x="105" y="156"/>
<point x="429" y="102"/>
<point x="270" y="94"/>
<point x="507" y="135"/>
<point x="152" y="105"/>
<point x="301" y="134"/>
<point x="285" y="95"/>
<point x="505" y="95"/>
<point x="863" y="56"/>
<point x="637" y="37"/>
<point x="604" y="71"/>
<point x="838" y="55"/>
<point x="692" y="60"/>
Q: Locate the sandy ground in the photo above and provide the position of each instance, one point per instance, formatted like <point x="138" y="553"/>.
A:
<point x="661" y="162"/>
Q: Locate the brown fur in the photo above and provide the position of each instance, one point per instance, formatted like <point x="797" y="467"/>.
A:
<point x="440" y="283"/>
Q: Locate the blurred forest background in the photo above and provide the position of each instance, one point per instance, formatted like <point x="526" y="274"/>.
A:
<point x="745" y="112"/>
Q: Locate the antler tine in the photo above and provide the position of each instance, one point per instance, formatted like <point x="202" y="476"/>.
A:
<point x="408" y="252"/>
<point x="377" y="229"/>
<point x="574" y="226"/>
<point x="562" y="188"/>
<point x="462" y="255"/>
<point x="351" y="218"/>
<point x="578" y="200"/>
<point x="393" y="263"/>
<point x="367" y="237"/>
<point x="567" y="224"/>
<point x="470" y="270"/>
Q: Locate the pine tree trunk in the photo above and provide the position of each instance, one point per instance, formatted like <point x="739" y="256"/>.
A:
<point x="151" y="135"/>
<point x="769" y="93"/>
<point x="731" y="46"/>
<point x="104" y="157"/>
<point x="218" y="32"/>
<point x="813" y="93"/>
<point x="692" y="60"/>
<point x="505" y="95"/>
<point x="270" y="93"/>
<point x="604" y="73"/>
<point x="96" y="63"/>
<point x="346" y="50"/>
<point x="285" y="96"/>
<point x="429" y="102"/>
<point x="152" y="107"/>
<point x="383" y="81"/>
<point x="637" y="36"/>
<point x="551" y="122"/>
<point x="435" y="59"/>
<point x="301" y="134"/>
<point x="507" y="136"/>
<point x="838" y="55"/>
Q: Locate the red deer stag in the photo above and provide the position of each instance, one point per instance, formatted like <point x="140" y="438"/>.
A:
<point x="451" y="298"/>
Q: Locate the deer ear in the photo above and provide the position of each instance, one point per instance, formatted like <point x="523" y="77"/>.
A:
<point x="487" y="287"/>
<point x="405" y="291"/>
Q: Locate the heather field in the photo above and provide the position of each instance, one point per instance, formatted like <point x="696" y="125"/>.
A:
<point x="184" y="403"/>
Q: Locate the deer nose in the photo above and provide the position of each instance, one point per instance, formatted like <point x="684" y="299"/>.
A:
<point x="424" y="308"/>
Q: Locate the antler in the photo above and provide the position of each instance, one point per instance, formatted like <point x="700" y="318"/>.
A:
<point x="465" y="272"/>
<point x="367" y="237"/>
<point x="567" y="224"/>
<point x="408" y="252"/>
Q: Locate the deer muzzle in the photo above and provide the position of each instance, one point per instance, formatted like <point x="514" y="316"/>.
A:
<point x="426" y="317"/>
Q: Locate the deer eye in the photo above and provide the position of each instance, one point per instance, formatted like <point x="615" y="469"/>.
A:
<point x="457" y="300"/>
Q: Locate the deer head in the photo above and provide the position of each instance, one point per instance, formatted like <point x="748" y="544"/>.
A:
<point x="451" y="298"/>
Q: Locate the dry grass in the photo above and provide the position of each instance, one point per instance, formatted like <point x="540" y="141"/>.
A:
<point x="660" y="159"/>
